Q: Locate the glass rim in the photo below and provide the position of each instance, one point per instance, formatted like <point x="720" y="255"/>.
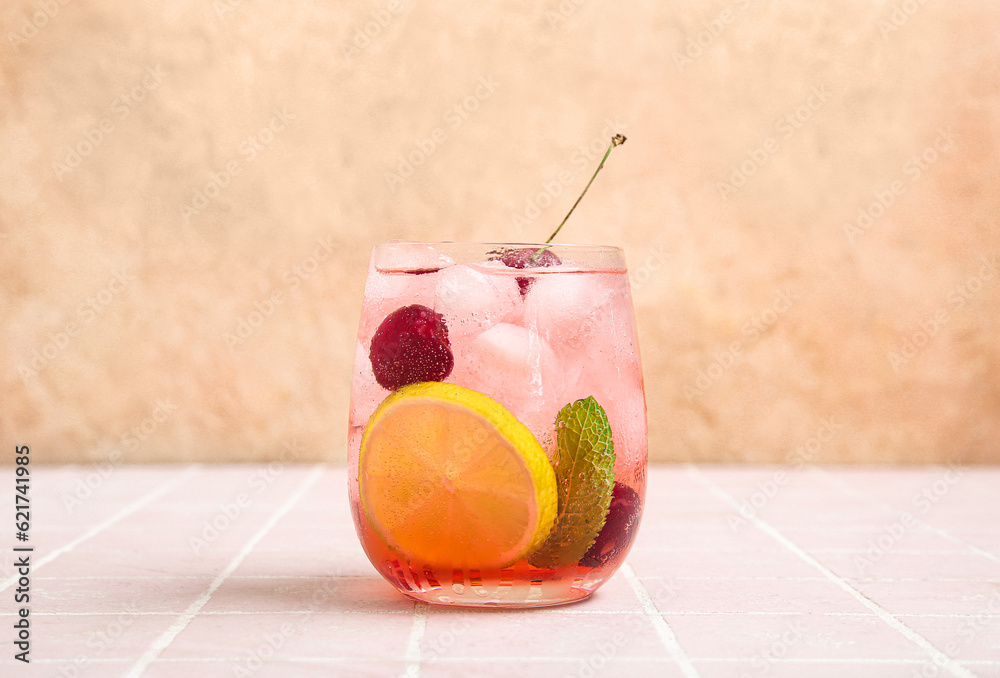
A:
<point x="427" y="255"/>
<point x="490" y="243"/>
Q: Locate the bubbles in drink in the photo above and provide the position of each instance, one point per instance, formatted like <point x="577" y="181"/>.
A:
<point x="366" y="394"/>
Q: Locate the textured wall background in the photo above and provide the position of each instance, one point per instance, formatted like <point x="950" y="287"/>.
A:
<point x="808" y="202"/>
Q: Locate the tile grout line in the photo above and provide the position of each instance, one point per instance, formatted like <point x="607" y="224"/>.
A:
<point x="847" y="489"/>
<point x="164" y="487"/>
<point x="663" y="629"/>
<point x="168" y="636"/>
<point x="939" y="658"/>
<point x="413" y="656"/>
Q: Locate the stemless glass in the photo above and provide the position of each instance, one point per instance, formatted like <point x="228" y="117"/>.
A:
<point x="497" y="448"/>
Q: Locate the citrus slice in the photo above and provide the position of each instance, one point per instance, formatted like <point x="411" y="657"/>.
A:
<point x="449" y="478"/>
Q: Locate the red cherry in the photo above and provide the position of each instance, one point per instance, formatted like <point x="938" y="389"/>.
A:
<point x="618" y="530"/>
<point x="526" y="257"/>
<point x="411" y="345"/>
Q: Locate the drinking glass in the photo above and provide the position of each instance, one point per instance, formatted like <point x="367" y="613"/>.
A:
<point x="497" y="446"/>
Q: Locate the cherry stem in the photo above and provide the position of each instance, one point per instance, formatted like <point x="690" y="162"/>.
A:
<point x="616" y="140"/>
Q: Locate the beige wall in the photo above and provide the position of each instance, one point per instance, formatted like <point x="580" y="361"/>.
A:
<point x="126" y="283"/>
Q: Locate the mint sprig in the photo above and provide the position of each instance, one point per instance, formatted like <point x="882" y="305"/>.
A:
<point x="585" y="478"/>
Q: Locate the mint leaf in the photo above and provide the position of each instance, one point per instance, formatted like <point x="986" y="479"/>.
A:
<point x="585" y="478"/>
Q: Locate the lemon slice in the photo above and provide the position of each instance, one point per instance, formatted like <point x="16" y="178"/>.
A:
<point x="449" y="478"/>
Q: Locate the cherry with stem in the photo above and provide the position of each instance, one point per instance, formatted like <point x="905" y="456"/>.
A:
<point x="616" y="140"/>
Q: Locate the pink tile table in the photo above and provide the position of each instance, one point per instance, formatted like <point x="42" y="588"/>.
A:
<point x="238" y="571"/>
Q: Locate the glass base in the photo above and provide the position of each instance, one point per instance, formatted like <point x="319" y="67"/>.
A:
<point x="517" y="587"/>
<point x="545" y="595"/>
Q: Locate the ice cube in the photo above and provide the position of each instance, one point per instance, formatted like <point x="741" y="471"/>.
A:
<point x="403" y="255"/>
<point x="566" y="308"/>
<point x="472" y="301"/>
<point x="516" y="367"/>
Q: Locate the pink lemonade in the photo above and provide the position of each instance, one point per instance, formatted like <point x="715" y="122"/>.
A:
<point x="497" y="447"/>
